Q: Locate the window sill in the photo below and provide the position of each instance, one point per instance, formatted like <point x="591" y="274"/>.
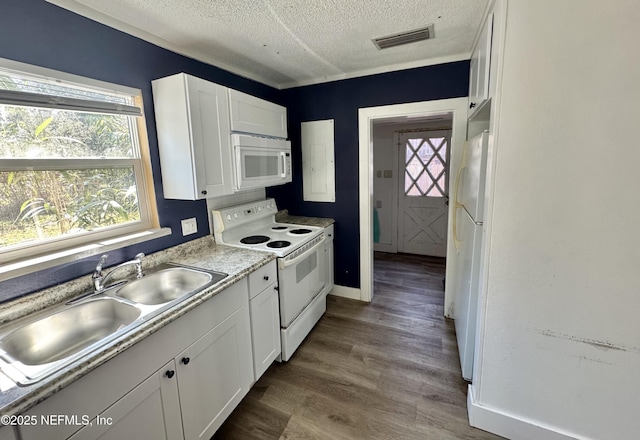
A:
<point x="29" y="265"/>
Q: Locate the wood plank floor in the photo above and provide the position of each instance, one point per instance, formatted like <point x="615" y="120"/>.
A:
<point x="385" y="370"/>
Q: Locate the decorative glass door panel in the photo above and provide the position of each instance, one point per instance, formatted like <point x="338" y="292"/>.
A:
<point x="425" y="166"/>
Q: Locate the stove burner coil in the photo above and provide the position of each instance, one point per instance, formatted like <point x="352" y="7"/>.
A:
<point x="279" y="244"/>
<point x="300" y="231"/>
<point x="255" y="239"/>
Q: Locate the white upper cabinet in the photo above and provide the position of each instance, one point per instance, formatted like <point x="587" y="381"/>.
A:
<point x="480" y="67"/>
<point x="192" y="119"/>
<point x="257" y="116"/>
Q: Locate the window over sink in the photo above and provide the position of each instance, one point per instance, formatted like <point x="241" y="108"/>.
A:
<point x="74" y="165"/>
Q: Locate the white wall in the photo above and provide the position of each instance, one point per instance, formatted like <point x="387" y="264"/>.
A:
<point x="561" y="341"/>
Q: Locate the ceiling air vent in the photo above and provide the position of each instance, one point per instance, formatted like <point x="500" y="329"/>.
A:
<point x="425" y="33"/>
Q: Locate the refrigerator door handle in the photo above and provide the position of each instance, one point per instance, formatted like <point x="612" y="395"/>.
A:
<point x="456" y="204"/>
<point x="456" y="240"/>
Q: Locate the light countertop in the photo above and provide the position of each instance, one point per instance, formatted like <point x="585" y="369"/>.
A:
<point x="284" y="217"/>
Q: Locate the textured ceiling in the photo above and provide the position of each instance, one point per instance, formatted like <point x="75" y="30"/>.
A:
<point x="285" y="43"/>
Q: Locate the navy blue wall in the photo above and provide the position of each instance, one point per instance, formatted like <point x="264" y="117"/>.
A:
<point x="36" y="32"/>
<point x="340" y="101"/>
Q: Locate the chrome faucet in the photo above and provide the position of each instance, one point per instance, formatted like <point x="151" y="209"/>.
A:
<point x="99" y="279"/>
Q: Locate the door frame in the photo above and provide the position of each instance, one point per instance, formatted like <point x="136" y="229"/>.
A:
<point x="366" y="117"/>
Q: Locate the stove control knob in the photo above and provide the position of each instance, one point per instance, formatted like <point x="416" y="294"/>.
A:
<point x="235" y="215"/>
<point x="259" y="208"/>
<point x="228" y="216"/>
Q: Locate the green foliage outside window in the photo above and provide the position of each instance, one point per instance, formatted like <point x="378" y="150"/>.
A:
<point x="67" y="191"/>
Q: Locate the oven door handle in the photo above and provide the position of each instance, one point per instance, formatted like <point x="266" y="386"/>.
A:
<point x="284" y="263"/>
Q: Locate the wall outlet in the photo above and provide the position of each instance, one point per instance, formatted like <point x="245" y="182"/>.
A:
<point x="387" y="174"/>
<point x="189" y="226"/>
<point x="378" y="203"/>
<point x="379" y="173"/>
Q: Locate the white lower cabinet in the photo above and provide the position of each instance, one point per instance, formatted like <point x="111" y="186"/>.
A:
<point x="265" y="318"/>
<point x="149" y="411"/>
<point x="265" y="329"/>
<point x="207" y="368"/>
<point x="196" y="391"/>
<point x="6" y="433"/>
<point x="214" y="374"/>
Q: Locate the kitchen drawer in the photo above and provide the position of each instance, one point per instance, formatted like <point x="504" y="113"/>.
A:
<point x="262" y="278"/>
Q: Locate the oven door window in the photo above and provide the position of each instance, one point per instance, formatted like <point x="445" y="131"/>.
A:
<point x="305" y="267"/>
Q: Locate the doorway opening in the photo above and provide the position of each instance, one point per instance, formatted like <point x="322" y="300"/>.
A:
<point x="411" y="184"/>
<point x="454" y="110"/>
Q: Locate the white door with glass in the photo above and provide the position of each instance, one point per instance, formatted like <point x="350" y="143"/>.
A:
<point x="423" y="192"/>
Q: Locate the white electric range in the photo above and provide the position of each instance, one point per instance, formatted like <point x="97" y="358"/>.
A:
<point x="300" y="259"/>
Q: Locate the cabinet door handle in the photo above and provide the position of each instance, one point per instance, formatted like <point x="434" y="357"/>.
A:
<point x="276" y="288"/>
<point x="170" y="373"/>
<point x="185" y="360"/>
<point x="204" y="193"/>
<point x="472" y="105"/>
<point x="266" y="278"/>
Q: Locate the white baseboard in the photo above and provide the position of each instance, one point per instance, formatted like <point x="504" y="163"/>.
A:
<point x="346" y="292"/>
<point x="510" y="426"/>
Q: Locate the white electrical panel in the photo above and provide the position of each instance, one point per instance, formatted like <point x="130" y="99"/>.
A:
<point x="318" y="163"/>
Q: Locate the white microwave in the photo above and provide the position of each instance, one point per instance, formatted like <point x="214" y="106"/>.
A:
<point x="260" y="161"/>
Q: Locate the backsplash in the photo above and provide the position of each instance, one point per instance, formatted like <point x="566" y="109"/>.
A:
<point x="233" y="199"/>
<point x="53" y="295"/>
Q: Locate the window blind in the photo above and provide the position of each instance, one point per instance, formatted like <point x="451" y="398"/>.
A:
<point x="19" y="98"/>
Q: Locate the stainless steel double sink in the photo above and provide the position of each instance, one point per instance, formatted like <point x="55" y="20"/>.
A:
<point x="44" y="343"/>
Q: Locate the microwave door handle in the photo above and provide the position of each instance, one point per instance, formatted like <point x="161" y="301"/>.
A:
<point x="238" y="173"/>
<point x="283" y="156"/>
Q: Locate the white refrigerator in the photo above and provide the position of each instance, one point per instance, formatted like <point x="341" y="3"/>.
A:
<point x="468" y="236"/>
